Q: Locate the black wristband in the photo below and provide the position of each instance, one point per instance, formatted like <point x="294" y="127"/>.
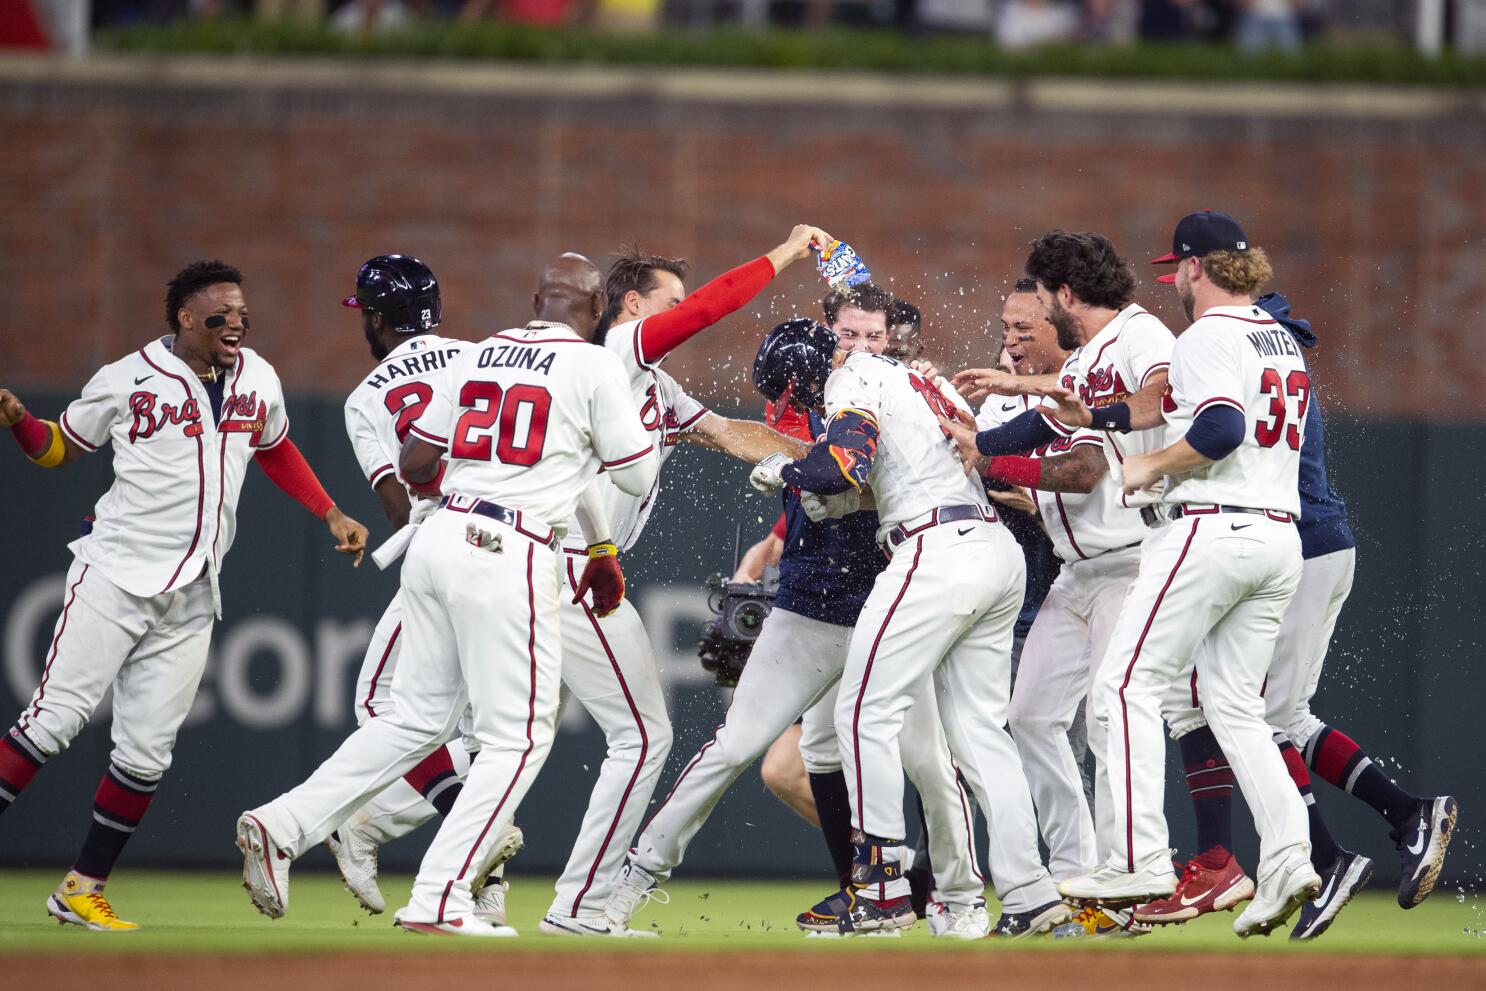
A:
<point x="1114" y="417"/>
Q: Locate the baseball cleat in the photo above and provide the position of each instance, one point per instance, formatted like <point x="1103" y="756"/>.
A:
<point x="965" y="922"/>
<point x="490" y="902"/>
<point x="1346" y="876"/>
<point x="1201" y="890"/>
<point x="1422" y="846"/>
<point x="824" y="916"/>
<point x="1093" y="922"/>
<point x="356" y="857"/>
<point x="635" y="885"/>
<point x="510" y="843"/>
<point x="79" y="901"/>
<point x="598" y="925"/>
<point x="1277" y="898"/>
<point x="464" y="925"/>
<point x="1034" y="922"/>
<point x="265" y="867"/>
<point x="1109" y="885"/>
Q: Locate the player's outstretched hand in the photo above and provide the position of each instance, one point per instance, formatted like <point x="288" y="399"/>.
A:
<point x="977" y="383"/>
<point x="1069" y="408"/>
<point x="765" y="475"/>
<point x="963" y="435"/>
<point x="11" y="409"/>
<point x="1016" y="498"/>
<point x="801" y="241"/>
<point x="1139" y="472"/>
<point x="350" y="536"/>
<point x="604" y="577"/>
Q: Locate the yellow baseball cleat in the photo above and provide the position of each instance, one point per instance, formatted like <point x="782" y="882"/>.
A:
<point x="79" y="900"/>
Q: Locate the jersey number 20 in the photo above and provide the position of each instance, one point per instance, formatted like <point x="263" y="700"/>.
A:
<point x="518" y="439"/>
<point x="1281" y="422"/>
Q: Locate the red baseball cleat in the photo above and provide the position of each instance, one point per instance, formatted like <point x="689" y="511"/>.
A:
<point x="1203" y="888"/>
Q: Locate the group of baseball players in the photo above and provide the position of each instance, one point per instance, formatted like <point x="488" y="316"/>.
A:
<point x="1201" y="557"/>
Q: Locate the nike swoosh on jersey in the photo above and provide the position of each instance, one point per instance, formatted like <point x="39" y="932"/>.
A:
<point x="141" y="380"/>
<point x="965" y="531"/>
<point x="1008" y="409"/>
<point x="1240" y="526"/>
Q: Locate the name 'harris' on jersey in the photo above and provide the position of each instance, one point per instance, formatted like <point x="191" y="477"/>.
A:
<point x="528" y="417"/>
<point x="380" y="411"/>
<point x="915" y="468"/>
<point x="666" y="412"/>
<point x="1240" y="356"/>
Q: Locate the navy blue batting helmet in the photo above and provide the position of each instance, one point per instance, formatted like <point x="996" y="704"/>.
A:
<point x="402" y="289"/>
<point x="797" y="354"/>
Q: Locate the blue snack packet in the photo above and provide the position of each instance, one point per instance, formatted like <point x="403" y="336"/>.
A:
<point x="841" y="267"/>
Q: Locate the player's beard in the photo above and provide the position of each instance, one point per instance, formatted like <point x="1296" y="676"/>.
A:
<point x="378" y="350"/>
<point x="1189" y="305"/>
<point x="1063" y="322"/>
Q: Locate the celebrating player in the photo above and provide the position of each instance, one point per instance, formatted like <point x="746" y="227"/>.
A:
<point x="185" y="414"/>
<point x="526" y="417"/>
<point x="945" y="606"/>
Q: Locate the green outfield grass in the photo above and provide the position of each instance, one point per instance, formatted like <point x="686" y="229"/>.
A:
<point x="209" y="913"/>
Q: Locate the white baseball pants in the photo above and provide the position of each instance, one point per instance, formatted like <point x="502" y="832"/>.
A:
<point x="946" y="606"/>
<point x="1201" y="585"/>
<point x="609" y="667"/>
<point x="1060" y="662"/>
<point x="151" y="649"/>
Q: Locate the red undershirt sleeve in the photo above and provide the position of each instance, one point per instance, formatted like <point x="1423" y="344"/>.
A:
<point x="287" y="468"/>
<point x="664" y="332"/>
<point x="1026" y="472"/>
<point x="779" y="527"/>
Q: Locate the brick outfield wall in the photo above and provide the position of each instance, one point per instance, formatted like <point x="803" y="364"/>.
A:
<point x="108" y="185"/>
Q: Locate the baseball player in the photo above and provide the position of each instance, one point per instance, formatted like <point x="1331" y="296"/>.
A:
<point x="1098" y="542"/>
<point x="1422" y="826"/>
<point x="400" y="306"/>
<point x="607" y="663"/>
<point x="826" y="571"/>
<point x="945" y="605"/>
<point x="526" y="417"/>
<point x="185" y="414"/>
<point x="1234" y="422"/>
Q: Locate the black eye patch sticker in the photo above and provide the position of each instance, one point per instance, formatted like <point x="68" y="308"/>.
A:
<point x="215" y="321"/>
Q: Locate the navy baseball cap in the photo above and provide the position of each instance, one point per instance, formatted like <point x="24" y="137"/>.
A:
<point x="1199" y="233"/>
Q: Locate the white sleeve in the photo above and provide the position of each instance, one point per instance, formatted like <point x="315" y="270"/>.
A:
<point x="689" y="412"/>
<point x="375" y="464"/>
<point x="1148" y="346"/>
<point x="1207" y="370"/>
<point x="848" y="388"/>
<point x="90" y="417"/>
<point x="619" y="439"/>
<point x="276" y="418"/>
<point x="592" y="516"/>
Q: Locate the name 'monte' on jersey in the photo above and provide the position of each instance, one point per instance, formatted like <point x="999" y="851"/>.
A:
<point x="1080" y="525"/>
<point x="381" y="410"/>
<point x="528" y="416"/>
<point x="915" y="468"/>
<point x="1240" y="356"/>
<point x="1112" y="367"/>
<point x="178" y="468"/>
<point x="666" y="412"/>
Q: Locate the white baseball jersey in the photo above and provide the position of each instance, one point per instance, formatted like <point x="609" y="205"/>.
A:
<point x="1240" y="356"/>
<point x="381" y="410"/>
<point x="915" y="468"/>
<point x="666" y="412"/>
<point x="528" y="416"/>
<point x="1111" y="368"/>
<point x="172" y="510"/>
<point x="1080" y="525"/>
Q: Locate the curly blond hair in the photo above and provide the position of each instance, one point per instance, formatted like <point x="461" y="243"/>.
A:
<point x="1242" y="273"/>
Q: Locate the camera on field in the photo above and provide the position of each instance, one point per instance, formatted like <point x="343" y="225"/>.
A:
<point x="740" y="608"/>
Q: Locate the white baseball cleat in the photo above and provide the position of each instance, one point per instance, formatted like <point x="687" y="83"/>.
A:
<point x="463" y="925"/>
<point x="356" y="856"/>
<point x="510" y="843"/>
<point x="1279" y="895"/>
<point x="965" y="922"/>
<point x="1109" y="885"/>
<point x="265" y="867"/>
<point x="593" y="925"/>
<point x="635" y="885"/>
<point x="490" y="902"/>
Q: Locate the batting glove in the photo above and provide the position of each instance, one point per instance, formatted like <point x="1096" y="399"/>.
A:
<point x="830" y="507"/>
<point x="765" y="475"/>
<point x="603" y="575"/>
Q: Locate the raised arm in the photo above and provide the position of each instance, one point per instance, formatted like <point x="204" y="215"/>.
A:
<point x="664" y="332"/>
<point x="746" y="440"/>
